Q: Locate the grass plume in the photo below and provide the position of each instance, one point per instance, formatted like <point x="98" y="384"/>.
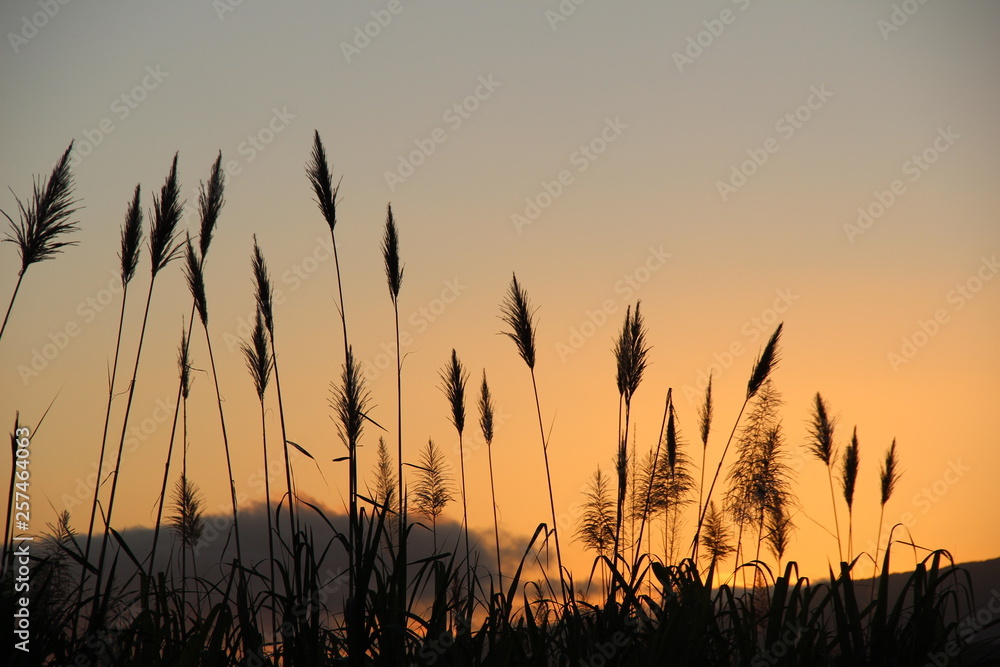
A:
<point x="821" y="444"/>
<point x="43" y="222"/>
<point x="848" y="482"/>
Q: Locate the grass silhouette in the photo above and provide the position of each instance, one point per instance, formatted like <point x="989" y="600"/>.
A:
<point x="397" y="604"/>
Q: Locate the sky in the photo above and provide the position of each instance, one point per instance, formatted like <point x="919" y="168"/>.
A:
<point x="732" y="165"/>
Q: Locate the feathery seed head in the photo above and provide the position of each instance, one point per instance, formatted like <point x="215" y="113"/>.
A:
<point x="631" y="353"/>
<point x="258" y="357"/>
<point x="263" y="289"/>
<point x="131" y="239"/>
<point x="390" y="253"/>
<point x="849" y="469"/>
<point x="821" y="432"/>
<point x="184" y="363"/>
<point x="195" y="280"/>
<point x="517" y="314"/>
<point x="671" y="432"/>
<point x="46" y="216"/>
<point x="890" y="473"/>
<point x="453" y="379"/>
<point x="705" y="413"/>
<point x="766" y="363"/>
<point x="164" y="246"/>
<point x="210" y="201"/>
<point x="350" y="402"/>
<point x="322" y="182"/>
<point x="486" y="411"/>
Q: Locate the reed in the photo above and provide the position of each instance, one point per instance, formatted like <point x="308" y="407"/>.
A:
<point x="848" y="482"/>
<point x="164" y="247"/>
<point x="210" y="202"/>
<point x="486" y="409"/>
<point x="705" y="414"/>
<point x="44" y="220"/>
<point x="128" y="256"/>
<point x="631" y="357"/>
<point x="259" y="364"/>
<point x="453" y="380"/>
<point x="433" y="489"/>
<point x="596" y="530"/>
<point x="196" y="284"/>
<point x="517" y="313"/>
<point x="325" y="192"/>
<point x="889" y="475"/>
<point x="762" y="369"/>
<point x="821" y="444"/>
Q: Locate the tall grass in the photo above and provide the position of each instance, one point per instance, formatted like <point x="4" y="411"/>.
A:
<point x="453" y="380"/>
<point x="432" y="610"/>
<point x="486" y="409"/>
<point x="762" y="369"/>
<point x="131" y="242"/>
<point x="43" y="221"/>
<point x="164" y="247"/>
<point x="821" y="431"/>
<point x="848" y="482"/>
<point x="517" y="313"/>
<point x="631" y="355"/>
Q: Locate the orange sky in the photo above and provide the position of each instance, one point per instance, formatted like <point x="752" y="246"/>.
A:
<point x="732" y="165"/>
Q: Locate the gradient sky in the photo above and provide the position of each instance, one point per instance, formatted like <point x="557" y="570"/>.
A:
<point x="835" y="101"/>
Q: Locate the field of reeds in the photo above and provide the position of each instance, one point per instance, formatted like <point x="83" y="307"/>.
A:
<point x="364" y="589"/>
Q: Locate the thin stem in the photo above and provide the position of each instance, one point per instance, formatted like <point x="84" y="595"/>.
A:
<point x="548" y="478"/>
<point x="170" y="450"/>
<point x="649" y="490"/>
<point x="708" y="498"/>
<point x="701" y="491"/>
<point x="496" y="524"/>
<point x="225" y="442"/>
<point x="121" y="446"/>
<point x="465" y="522"/>
<point x="284" y="440"/>
<point x="20" y="277"/>
<point x="104" y="439"/>
<point x="833" y="499"/>
<point x="270" y="527"/>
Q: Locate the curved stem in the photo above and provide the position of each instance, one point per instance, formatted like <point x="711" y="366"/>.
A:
<point x="715" y="478"/>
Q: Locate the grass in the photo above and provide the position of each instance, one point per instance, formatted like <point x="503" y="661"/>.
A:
<point x="396" y="602"/>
